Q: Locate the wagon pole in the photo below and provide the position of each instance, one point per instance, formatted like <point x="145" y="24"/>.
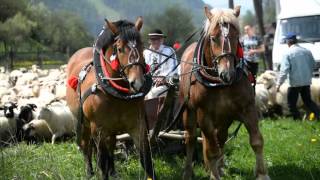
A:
<point x="177" y="135"/>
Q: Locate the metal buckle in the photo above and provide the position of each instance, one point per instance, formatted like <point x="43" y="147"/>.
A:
<point x="94" y="88"/>
<point x="82" y="75"/>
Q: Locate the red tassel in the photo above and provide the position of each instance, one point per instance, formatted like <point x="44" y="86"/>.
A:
<point x="251" y="78"/>
<point x="239" y="51"/>
<point x="115" y="64"/>
<point x="147" y="68"/>
<point x="73" y="82"/>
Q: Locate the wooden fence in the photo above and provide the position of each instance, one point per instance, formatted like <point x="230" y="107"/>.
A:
<point x="44" y="59"/>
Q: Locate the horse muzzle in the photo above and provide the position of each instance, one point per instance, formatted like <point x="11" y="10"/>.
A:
<point x="136" y="84"/>
<point x="227" y="76"/>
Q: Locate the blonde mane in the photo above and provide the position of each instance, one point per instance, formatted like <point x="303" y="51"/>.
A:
<point x="220" y="15"/>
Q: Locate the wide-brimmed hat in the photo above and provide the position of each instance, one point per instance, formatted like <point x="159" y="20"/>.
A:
<point x="156" y="33"/>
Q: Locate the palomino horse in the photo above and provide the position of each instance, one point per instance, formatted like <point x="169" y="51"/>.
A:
<point x="217" y="93"/>
<point x="115" y="102"/>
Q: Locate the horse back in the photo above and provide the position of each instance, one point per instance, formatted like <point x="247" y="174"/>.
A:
<point x="78" y="60"/>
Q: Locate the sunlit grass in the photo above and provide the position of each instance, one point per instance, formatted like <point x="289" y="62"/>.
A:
<point x="292" y="151"/>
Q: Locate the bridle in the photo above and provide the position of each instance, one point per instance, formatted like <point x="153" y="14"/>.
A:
<point x="226" y="46"/>
<point x="132" y="61"/>
<point x="115" y="64"/>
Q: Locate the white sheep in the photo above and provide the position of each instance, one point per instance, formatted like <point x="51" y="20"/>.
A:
<point x="8" y="123"/>
<point x="269" y="79"/>
<point x="59" y="119"/>
<point x="37" y="129"/>
<point x="261" y="99"/>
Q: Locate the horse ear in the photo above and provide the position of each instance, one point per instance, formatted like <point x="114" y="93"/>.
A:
<point x="111" y="26"/>
<point x="139" y="23"/>
<point x="207" y="12"/>
<point x="236" y="11"/>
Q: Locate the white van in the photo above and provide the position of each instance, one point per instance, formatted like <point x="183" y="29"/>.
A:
<point x="303" y="19"/>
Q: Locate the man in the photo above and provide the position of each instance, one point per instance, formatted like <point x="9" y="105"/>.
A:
<point x="298" y="63"/>
<point x="252" y="47"/>
<point x="155" y="58"/>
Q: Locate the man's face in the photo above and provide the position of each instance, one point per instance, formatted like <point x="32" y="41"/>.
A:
<point x="248" y="30"/>
<point x="156" y="42"/>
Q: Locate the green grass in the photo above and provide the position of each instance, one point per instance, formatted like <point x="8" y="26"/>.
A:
<point x="45" y="63"/>
<point x="292" y="151"/>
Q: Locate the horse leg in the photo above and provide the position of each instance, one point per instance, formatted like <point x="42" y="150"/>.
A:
<point x="86" y="147"/>
<point x="212" y="152"/>
<point x="111" y="146"/>
<point x="190" y="140"/>
<point x="256" y="142"/>
<point x="103" y="158"/>
<point x="140" y="140"/>
<point x="222" y="138"/>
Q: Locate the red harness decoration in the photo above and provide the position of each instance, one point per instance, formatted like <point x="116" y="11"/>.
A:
<point x="73" y="82"/>
<point x="115" y="64"/>
<point x="106" y="73"/>
<point x="251" y="78"/>
<point x="239" y="51"/>
<point x="147" y="68"/>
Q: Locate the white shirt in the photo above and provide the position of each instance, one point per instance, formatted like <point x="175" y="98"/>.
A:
<point x="153" y="59"/>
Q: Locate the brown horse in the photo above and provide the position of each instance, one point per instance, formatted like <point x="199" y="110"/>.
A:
<point x="104" y="114"/>
<point x="216" y="92"/>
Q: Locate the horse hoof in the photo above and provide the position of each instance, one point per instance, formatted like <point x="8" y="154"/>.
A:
<point x="212" y="177"/>
<point x="114" y="175"/>
<point x="90" y="174"/>
<point x="188" y="175"/>
<point x="221" y="172"/>
<point x="263" y="177"/>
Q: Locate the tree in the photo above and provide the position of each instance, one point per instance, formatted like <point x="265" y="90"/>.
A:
<point x="9" y="8"/>
<point x="14" y="32"/>
<point x="231" y="4"/>
<point x="175" y="22"/>
<point x="259" y="13"/>
<point x="248" y="18"/>
<point x="269" y="9"/>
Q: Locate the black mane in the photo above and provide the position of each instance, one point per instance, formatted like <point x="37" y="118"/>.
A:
<point x="126" y="32"/>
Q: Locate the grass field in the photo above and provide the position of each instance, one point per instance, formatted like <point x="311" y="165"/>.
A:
<point x="292" y="152"/>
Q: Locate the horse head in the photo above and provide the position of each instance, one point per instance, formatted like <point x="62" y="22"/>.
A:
<point x="125" y="53"/>
<point x="221" y="33"/>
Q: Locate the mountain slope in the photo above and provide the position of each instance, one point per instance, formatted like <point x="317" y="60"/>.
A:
<point x="94" y="11"/>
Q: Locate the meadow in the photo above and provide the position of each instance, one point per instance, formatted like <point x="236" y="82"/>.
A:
<point x="292" y="152"/>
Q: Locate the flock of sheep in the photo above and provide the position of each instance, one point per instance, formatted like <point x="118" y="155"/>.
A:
<point x="33" y="107"/>
<point x="270" y="102"/>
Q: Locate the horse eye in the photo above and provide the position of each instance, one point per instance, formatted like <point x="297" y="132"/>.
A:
<point x="213" y="39"/>
<point x="120" y="50"/>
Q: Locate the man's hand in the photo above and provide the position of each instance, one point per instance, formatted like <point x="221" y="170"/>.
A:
<point x="251" y="52"/>
<point x="159" y="81"/>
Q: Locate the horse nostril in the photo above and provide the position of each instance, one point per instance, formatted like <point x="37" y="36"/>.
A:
<point x="132" y="83"/>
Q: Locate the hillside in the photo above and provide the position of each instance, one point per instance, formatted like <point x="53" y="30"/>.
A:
<point x="94" y="11"/>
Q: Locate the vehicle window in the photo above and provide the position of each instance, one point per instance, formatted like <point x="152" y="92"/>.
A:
<point x="307" y="28"/>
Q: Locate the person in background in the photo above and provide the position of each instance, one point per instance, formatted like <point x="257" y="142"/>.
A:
<point x="252" y="48"/>
<point x="160" y="65"/>
<point x="298" y="64"/>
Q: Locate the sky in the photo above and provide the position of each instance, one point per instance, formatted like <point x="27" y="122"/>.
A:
<point x="245" y="4"/>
